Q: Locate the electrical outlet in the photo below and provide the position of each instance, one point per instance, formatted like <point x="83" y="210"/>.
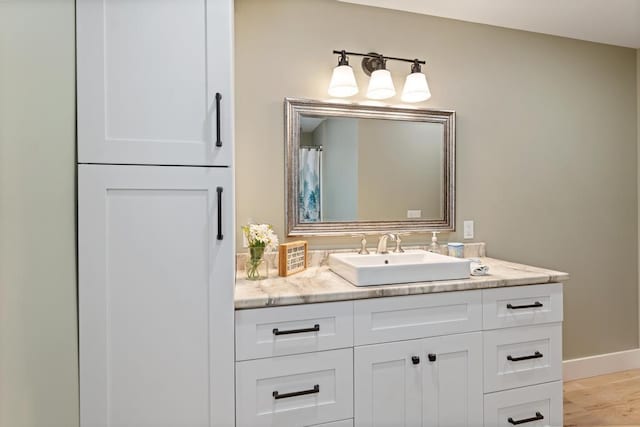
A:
<point x="414" y="213"/>
<point x="245" y="242"/>
<point x="468" y="229"/>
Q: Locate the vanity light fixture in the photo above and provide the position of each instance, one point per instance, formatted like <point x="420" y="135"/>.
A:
<point x="380" y="83"/>
<point x="343" y="83"/>
<point x="416" y="88"/>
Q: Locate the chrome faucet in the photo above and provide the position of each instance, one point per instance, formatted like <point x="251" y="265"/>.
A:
<point x="399" y="249"/>
<point x="382" y="243"/>
<point x="363" y="244"/>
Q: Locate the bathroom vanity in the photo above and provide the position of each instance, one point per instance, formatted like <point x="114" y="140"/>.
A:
<point x="312" y="349"/>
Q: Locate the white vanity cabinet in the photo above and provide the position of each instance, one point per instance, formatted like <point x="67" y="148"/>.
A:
<point x="155" y="249"/>
<point x="484" y="357"/>
<point x="523" y="355"/>
<point x="430" y="382"/>
<point x="155" y="82"/>
<point x="428" y="372"/>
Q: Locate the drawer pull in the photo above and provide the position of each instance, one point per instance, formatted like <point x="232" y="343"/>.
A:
<point x="415" y="360"/>
<point x="536" y="355"/>
<point x="536" y="304"/>
<point x="315" y="389"/>
<point x="316" y="328"/>
<point x="432" y="357"/>
<point x="538" y="417"/>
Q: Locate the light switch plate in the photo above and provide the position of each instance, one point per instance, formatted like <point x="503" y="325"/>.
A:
<point x="414" y="213"/>
<point x="468" y="229"/>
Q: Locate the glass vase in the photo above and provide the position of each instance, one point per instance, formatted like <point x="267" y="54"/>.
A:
<point x="256" y="265"/>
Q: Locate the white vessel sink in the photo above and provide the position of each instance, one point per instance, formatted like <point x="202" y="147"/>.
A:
<point x="410" y="266"/>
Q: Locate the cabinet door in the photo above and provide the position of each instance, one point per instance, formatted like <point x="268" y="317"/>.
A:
<point x="388" y="384"/>
<point x="453" y="381"/>
<point x="155" y="296"/>
<point x="148" y="75"/>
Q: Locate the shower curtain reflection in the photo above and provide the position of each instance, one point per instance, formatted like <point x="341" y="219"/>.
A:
<point x="309" y="189"/>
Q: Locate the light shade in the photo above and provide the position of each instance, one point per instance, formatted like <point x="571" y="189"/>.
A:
<point x="343" y="82"/>
<point x="380" y="85"/>
<point x="416" y="88"/>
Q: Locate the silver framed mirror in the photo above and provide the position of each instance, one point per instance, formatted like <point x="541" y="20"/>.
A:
<point x="364" y="169"/>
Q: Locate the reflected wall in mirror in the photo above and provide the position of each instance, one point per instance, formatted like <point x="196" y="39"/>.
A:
<point x="366" y="169"/>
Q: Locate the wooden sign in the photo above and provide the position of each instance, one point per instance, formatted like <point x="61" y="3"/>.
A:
<point x="292" y="257"/>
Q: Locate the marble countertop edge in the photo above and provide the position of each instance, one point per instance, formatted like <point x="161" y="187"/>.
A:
<point x="319" y="284"/>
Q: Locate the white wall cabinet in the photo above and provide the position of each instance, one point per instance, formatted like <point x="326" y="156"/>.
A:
<point x="155" y="82"/>
<point x="156" y="288"/>
<point x="471" y="358"/>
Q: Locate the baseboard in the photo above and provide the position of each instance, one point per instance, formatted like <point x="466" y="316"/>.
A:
<point x="601" y="364"/>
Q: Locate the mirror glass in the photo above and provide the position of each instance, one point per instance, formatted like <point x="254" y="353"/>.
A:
<point x="359" y="169"/>
<point x="355" y="169"/>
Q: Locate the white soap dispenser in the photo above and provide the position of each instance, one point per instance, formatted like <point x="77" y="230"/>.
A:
<point x="434" y="246"/>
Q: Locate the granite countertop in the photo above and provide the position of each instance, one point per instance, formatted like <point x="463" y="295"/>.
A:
<point x="320" y="284"/>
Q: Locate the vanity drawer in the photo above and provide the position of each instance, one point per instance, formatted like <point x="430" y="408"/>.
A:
<point x="538" y="405"/>
<point x="518" y="357"/>
<point x="380" y="320"/>
<point x="522" y="305"/>
<point x="300" y="390"/>
<point x="278" y="331"/>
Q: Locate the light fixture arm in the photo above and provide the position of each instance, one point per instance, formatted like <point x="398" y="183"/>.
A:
<point x="415" y="67"/>
<point x="343" y="60"/>
<point x="378" y="56"/>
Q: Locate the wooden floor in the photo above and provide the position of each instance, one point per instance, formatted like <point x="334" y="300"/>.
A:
<point x="607" y="400"/>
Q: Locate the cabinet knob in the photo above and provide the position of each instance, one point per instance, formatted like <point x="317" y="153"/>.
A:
<point x="415" y="360"/>
<point x="432" y="357"/>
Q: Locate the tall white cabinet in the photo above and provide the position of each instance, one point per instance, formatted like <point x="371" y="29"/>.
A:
<point x="154" y="82"/>
<point x="155" y="213"/>
<point x="155" y="292"/>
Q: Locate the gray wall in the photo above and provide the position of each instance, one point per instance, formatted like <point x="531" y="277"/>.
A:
<point x="546" y="148"/>
<point x="38" y="351"/>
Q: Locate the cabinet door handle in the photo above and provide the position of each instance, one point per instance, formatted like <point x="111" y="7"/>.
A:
<point x="432" y="357"/>
<point x="315" y="389"/>
<point x="218" y="139"/>
<point x="538" y="417"/>
<point x="219" y="191"/>
<point x="536" y="304"/>
<point x="316" y="328"/>
<point x="536" y="355"/>
<point x="415" y="360"/>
